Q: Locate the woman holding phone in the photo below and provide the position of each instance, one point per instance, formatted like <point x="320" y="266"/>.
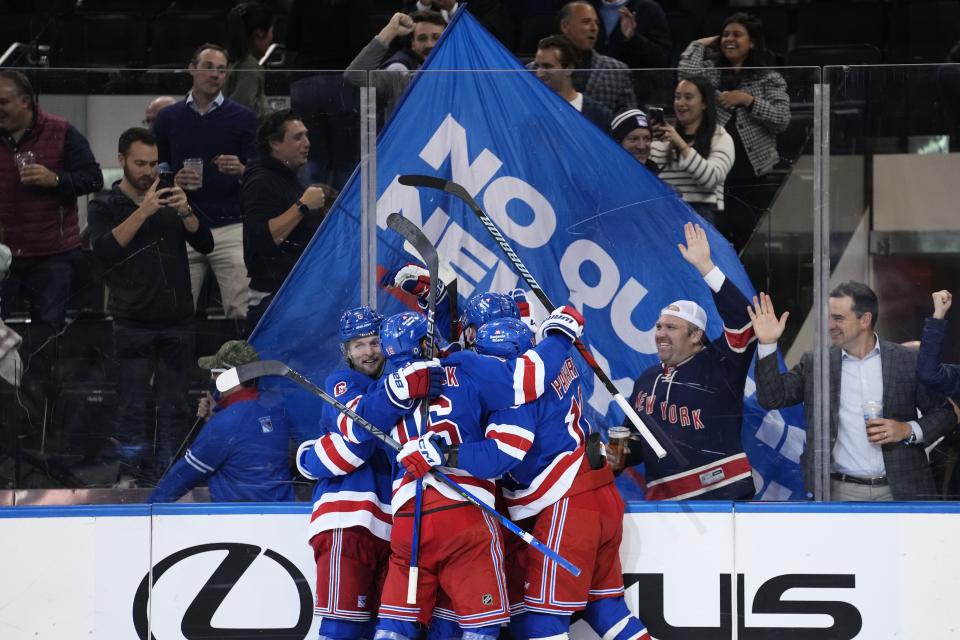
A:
<point x="695" y="154"/>
<point x="752" y="105"/>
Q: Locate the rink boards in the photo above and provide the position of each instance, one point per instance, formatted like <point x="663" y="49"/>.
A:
<point x="693" y="571"/>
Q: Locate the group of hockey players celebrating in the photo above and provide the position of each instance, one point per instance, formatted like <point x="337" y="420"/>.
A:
<point x="499" y="412"/>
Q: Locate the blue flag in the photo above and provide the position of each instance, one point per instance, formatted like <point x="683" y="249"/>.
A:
<point x="591" y="224"/>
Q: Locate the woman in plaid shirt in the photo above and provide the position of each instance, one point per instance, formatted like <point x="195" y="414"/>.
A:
<point x="752" y="105"/>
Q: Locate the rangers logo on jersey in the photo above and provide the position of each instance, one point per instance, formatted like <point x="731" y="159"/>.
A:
<point x="266" y="424"/>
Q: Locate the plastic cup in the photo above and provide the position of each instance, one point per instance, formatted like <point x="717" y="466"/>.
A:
<point x="872" y="409"/>
<point x="617" y="438"/>
<point x="23" y="158"/>
<point x="196" y="166"/>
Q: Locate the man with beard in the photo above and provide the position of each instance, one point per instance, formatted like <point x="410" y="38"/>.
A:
<point x="424" y="29"/>
<point x="696" y="392"/>
<point x="352" y="519"/>
<point x="138" y="230"/>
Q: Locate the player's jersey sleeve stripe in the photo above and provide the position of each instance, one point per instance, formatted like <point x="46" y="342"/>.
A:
<point x="345" y="422"/>
<point x="528" y="378"/>
<point x="333" y="453"/>
<point x="196" y="463"/>
<point x="512" y="440"/>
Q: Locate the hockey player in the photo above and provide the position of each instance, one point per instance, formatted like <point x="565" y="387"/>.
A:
<point x="351" y="520"/>
<point x="481" y="309"/>
<point x="562" y="491"/>
<point x="460" y="546"/>
<point x="696" y="392"/>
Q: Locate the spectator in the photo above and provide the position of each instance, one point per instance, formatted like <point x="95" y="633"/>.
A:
<point x="138" y="230"/>
<point x="696" y="392"/>
<point x="943" y="378"/>
<point x="752" y="105"/>
<point x="492" y="14"/>
<point x="603" y="78"/>
<point x="883" y="459"/>
<point x="220" y="133"/>
<point x="45" y="164"/>
<point x="243" y="449"/>
<point x="249" y="35"/>
<point x="279" y="215"/>
<point x="425" y="28"/>
<point x="635" y="32"/>
<point x="631" y="130"/>
<point x="695" y="156"/>
<point x="150" y="115"/>
<point x="554" y="65"/>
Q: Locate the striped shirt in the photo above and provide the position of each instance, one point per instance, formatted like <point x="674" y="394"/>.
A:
<point x="696" y="179"/>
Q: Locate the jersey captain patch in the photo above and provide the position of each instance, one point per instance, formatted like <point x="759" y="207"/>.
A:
<point x="340" y="388"/>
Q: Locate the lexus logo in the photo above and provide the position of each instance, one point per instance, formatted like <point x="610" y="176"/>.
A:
<point x="197" y="621"/>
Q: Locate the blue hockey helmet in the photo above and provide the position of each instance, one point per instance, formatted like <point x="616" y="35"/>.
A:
<point x="505" y="337"/>
<point x="484" y="307"/>
<point x="359" y="322"/>
<point x="400" y="336"/>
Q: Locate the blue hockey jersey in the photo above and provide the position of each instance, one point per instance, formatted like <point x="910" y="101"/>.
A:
<point x="699" y="405"/>
<point x="475" y="387"/>
<point x="557" y="447"/>
<point x="242" y="452"/>
<point x="353" y="477"/>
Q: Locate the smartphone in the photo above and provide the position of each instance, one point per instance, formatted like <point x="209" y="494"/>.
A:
<point x="166" y="180"/>
<point x="655" y="116"/>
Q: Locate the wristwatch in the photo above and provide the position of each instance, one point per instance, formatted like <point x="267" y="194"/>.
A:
<point x="912" y="439"/>
<point x="304" y="209"/>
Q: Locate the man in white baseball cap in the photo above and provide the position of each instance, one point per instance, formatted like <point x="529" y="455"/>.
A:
<point x="679" y="331"/>
<point x="695" y="394"/>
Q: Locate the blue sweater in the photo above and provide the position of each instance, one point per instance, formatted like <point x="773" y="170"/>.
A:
<point x="229" y="129"/>
<point x="931" y="371"/>
<point x="242" y="452"/>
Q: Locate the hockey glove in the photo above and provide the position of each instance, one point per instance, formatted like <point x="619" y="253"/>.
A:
<point x="526" y="313"/>
<point x="423" y="379"/>
<point x="565" y="320"/>
<point x="420" y="455"/>
<point x="415" y="280"/>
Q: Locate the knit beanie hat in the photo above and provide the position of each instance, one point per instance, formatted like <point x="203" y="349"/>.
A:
<point x="626" y="122"/>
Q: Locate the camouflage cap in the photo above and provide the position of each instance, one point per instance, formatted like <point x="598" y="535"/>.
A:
<point x="233" y="353"/>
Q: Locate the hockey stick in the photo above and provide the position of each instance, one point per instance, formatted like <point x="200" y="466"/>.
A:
<point x="412" y="234"/>
<point x="261" y="368"/>
<point x="646" y="428"/>
<point x="183" y="445"/>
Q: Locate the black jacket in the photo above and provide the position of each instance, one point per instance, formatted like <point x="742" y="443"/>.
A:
<point x="269" y="189"/>
<point x="149" y="279"/>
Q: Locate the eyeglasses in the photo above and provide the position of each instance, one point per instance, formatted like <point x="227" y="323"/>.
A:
<point x="215" y="372"/>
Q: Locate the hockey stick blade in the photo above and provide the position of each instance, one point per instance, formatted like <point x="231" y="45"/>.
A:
<point x="649" y="429"/>
<point x="250" y="371"/>
<point x="247" y="372"/>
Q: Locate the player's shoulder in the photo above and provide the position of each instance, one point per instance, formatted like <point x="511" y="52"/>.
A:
<point x="345" y="381"/>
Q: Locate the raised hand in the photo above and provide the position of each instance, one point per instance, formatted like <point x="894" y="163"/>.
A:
<point x="941" y="303"/>
<point x="697" y="250"/>
<point x="767" y="327"/>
